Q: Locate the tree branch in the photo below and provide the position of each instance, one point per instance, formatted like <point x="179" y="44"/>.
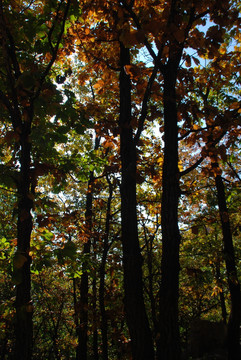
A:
<point x="124" y="4"/>
<point x="146" y="98"/>
<point x="234" y="171"/>
<point x="192" y="167"/>
<point x="55" y="50"/>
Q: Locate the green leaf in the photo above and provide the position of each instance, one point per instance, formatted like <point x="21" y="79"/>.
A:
<point x="47" y="235"/>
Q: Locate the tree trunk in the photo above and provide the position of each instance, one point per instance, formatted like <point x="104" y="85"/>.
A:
<point x="137" y="321"/>
<point x="104" y="322"/>
<point x="221" y="293"/>
<point x="233" y="338"/>
<point x="22" y="260"/>
<point x="82" y="330"/>
<point x="168" y="342"/>
<point x="95" y="314"/>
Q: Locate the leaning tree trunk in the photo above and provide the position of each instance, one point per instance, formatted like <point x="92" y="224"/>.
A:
<point x="137" y="321"/>
<point x="233" y="337"/>
<point x="22" y="259"/>
<point x="168" y="338"/>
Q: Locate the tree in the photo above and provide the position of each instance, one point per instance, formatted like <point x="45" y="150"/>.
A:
<point x="134" y="302"/>
<point x="84" y="284"/>
<point x="23" y="80"/>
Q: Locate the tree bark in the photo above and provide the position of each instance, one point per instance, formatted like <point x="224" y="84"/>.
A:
<point x="82" y="330"/>
<point x="168" y="343"/>
<point x="95" y="312"/>
<point x="221" y="293"/>
<point x="22" y="261"/>
<point x="233" y="337"/>
<point x="137" y="321"/>
<point x="102" y="272"/>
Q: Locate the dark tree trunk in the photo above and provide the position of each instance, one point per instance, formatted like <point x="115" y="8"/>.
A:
<point x="149" y="247"/>
<point x="20" y="105"/>
<point x="22" y="260"/>
<point x="137" y="321"/>
<point x="168" y="338"/>
<point x="233" y="338"/>
<point x="221" y="293"/>
<point x="104" y="322"/>
<point x="95" y="316"/>
<point x="82" y="330"/>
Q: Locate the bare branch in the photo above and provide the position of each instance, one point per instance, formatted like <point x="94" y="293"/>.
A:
<point x="191" y="168"/>
<point x="146" y="98"/>
<point x="234" y="171"/>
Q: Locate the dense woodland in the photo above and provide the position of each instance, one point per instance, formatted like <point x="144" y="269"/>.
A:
<point x="120" y="178"/>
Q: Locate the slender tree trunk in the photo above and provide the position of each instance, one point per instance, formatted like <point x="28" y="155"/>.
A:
<point x="233" y="340"/>
<point x="149" y="247"/>
<point x="168" y="342"/>
<point x="76" y="314"/>
<point x="95" y="330"/>
<point x="137" y="321"/>
<point x="22" y="260"/>
<point x="81" y="352"/>
<point x="82" y="331"/>
<point x="221" y="293"/>
<point x="104" y="322"/>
